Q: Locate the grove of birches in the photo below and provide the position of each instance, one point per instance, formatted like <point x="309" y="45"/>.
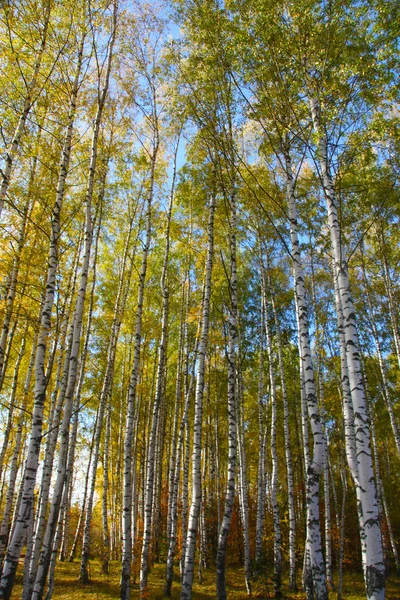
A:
<point x="199" y="299"/>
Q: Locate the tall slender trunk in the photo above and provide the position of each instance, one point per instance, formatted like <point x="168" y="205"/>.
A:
<point x="28" y="103"/>
<point x="84" y="499"/>
<point x="190" y="549"/>
<point x="53" y="425"/>
<point x="315" y="579"/>
<point x="6" y="520"/>
<point x="262" y="432"/>
<point x="131" y="408"/>
<point x="274" y="455"/>
<point x="11" y="407"/>
<point x="162" y="350"/>
<point x="288" y="455"/>
<point x="12" y="286"/>
<point x="375" y="335"/>
<point x="104" y="498"/>
<point x="379" y="483"/>
<point x="341" y="534"/>
<point x="75" y="422"/>
<point x="31" y="466"/>
<point x="177" y="444"/>
<point x="243" y="482"/>
<point x="391" y="301"/>
<point x="369" y="524"/>
<point x="232" y="393"/>
<point x="52" y="522"/>
<point x="51" y="528"/>
<point x="119" y="307"/>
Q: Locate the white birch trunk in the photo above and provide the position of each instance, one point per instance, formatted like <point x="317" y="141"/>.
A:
<point x="12" y="405"/>
<point x="232" y="392"/>
<point x="370" y="531"/>
<point x="51" y="528"/>
<point x="12" y="287"/>
<point x="176" y="449"/>
<point x="28" y="103"/>
<point x="389" y="293"/>
<point x="288" y="456"/>
<point x="190" y="549"/>
<point x="31" y="466"/>
<point x="130" y="414"/>
<point x="243" y="484"/>
<point x="261" y="454"/>
<point x="6" y="520"/>
<point x="103" y="400"/>
<point x="83" y="509"/>
<point x="162" y="350"/>
<point x="315" y="579"/>
<point x="274" y="455"/>
<point x="375" y="335"/>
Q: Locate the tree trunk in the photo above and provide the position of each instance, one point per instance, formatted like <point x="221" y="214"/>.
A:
<point x="28" y="103"/>
<point x="131" y="408"/>
<point x="232" y="393"/>
<point x="370" y="531"/>
<point x="288" y="456"/>
<point x="162" y="350"/>
<point x="190" y="549"/>
<point x="31" y="466"/>
<point x="315" y="579"/>
<point x="274" y="455"/>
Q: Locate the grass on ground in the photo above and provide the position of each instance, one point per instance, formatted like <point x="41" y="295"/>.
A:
<point x="106" y="587"/>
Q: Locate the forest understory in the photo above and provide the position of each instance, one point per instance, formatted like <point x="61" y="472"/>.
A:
<point x="107" y="587"/>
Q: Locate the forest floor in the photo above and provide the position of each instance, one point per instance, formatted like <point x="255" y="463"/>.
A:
<point x="105" y="587"/>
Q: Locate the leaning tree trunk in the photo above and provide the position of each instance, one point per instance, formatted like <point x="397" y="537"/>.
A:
<point x="28" y="103"/>
<point x="6" y="519"/>
<point x="51" y="528"/>
<point x="12" y="286"/>
<point x="369" y="524"/>
<point x="32" y="461"/>
<point x="375" y="335"/>
<point x="53" y="425"/>
<point x="190" y="549"/>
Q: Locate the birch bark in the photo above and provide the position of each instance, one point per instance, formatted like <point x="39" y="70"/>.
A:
<point x="119" y="308"/>
<point x="28" y="103"/>
<point x="162" y="350"/>
<point x="288" y="455"/>
<point x="262" y="432"/>
<point x="243" y="483"/>
<point x="130" y="415"/>
<point x="232" y="392"/>
<point x="51" y="529"/>
<point x="315" y="579"/>
<point x="370" y="531"/>
<point x="274" y="455"/>
<point x="188" y="574"/>
<point x="31" y="466"/>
